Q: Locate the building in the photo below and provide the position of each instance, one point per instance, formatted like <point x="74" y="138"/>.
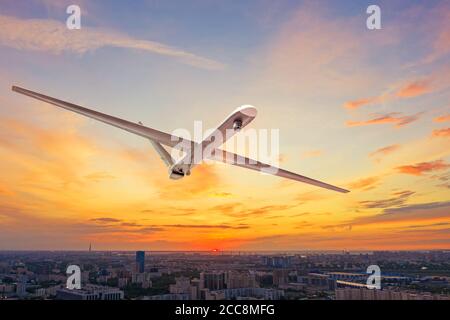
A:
<point x="40" y="292"/>
<point x="240" y="280"/>
<point x="182" y="285"/>
<point x="317" y="281"/>
<point x="90" y="292"/>
<point x="348" y="276"/>
<point x="239" y="293"/>
<point x="142" y="278"/>
<point x="195" y="289"/>
<point x="170" y="296"/>
<point x="280" y="277"/>
<point x="6" y="288"/>
<point x="21" y="288"/>
<point x="140" y="261"/>
<point x="212" y="280"/>
<point x="385" y="294"/>
<point x="278" y="261"/>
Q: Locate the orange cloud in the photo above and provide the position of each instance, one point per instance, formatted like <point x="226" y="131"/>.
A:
<point x="365" y="183"/>
<point x="414" y="89"/>
<point x="394" y="118"/>
<point x="361" y="102"/>
<point x="410" y="90"/>
<point x="419" y="168"/>
<point x="443" y="118"/>
<point x="441" y="132"/>
<point x="379" y="153"/>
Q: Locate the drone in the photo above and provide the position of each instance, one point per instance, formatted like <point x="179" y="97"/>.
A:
<point x="182" y="167"/>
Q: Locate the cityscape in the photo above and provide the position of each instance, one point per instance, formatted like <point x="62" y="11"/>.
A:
<point x="187" y="154"/>
<point x="220" y="275"/>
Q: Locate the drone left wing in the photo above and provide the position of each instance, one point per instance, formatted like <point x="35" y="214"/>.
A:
<point x="240" y="161"/>
<point x="152" y="134"/>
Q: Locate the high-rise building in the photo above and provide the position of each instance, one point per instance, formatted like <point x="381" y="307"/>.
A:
<point x="278" y="261"/>
<point x="213" y="280"/>
<point x="140" y="261"/>
<point x="240" y="280"/>
<point x="280" y="276"/>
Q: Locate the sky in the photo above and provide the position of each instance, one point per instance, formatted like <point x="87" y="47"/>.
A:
<point x="367" y="110"/>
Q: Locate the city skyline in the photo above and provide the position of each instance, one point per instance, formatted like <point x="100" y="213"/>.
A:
<point x="367" y="110"/>
<point x="210" y="276"/>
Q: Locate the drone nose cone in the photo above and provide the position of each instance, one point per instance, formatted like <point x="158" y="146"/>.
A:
<point x="248" y="110"/>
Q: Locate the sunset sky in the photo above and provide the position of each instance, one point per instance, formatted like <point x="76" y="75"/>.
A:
<point x="367" y="110"/>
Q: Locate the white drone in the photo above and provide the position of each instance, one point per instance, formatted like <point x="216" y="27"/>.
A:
<point x="241" y="117"/>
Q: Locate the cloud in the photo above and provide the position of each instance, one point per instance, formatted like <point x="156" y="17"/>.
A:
<point x="438" y="224"/>
<point x="338" y="227"/>
<point x="406" y="213"/>
<point x="408" y="90"/>
<point x="441" y="132"/>
<point x="398" y="199"/>
<point x="208" y="226"/>
<point x="378" y="154"/>
<point x="53" y="36"/>
<point x="237" y="209"/>
<point x="355" y="104"/>
<point x="105" y="220"/>
<point x="419" y="207"/>
<point x="443" y="118"/>
<point x="364" y="183"/>
<point x="394" y="117"/>
<point x="260" y="211"/>
<point x="430" y="231"/>
<point x="414" y="89"/>
<point x="228" y="207"/>
<point x="130" y="224"/>
<point x="420" y="168"/>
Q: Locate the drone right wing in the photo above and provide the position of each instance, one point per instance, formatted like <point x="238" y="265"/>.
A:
<point x="149" y="133"/>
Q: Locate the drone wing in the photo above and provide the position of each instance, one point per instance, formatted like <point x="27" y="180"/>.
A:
<point x="240" y="161"/>
<point x="136" y="128"/>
